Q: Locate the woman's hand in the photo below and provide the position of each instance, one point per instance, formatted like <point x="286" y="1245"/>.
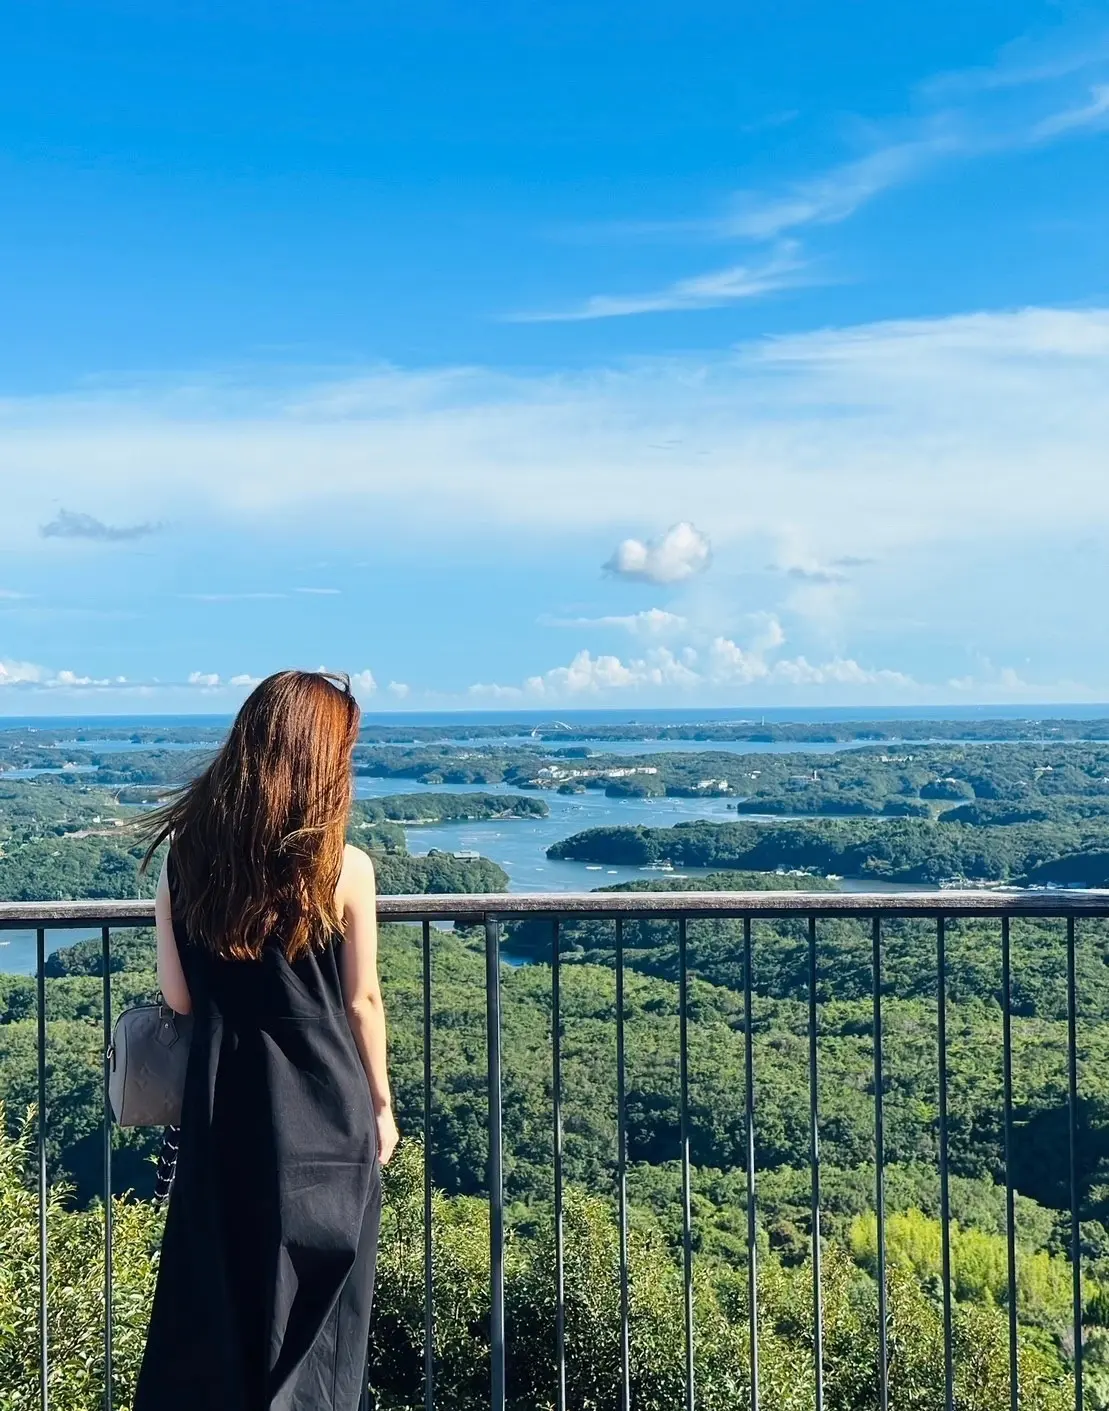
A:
<point x="387" y="1134"/>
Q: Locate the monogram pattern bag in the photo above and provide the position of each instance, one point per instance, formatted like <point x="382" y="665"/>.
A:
<point x="147" y="1060"/>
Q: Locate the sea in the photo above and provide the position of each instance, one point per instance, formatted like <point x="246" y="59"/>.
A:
<point x="519" y="845"/>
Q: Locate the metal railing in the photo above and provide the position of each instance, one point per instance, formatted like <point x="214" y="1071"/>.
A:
<point x="492" y="911"/>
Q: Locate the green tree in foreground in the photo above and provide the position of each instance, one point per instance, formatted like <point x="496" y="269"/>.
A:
<point x="461" y="1314"/>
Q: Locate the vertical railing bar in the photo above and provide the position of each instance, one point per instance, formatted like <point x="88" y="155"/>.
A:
<point x="496" y="1164"/>
<point x="1072" y="1124"/>
<point x="44" y="1350"/>
<point x="687" y="1216"/>
<point x="945" y="1192"/>
<point x="814" y="1169"/>
<point x="1010" y="1199"/>
<point x="106" y="1008"/>
<point x="749" y="1115"/>
<point x="429" y="1247"/>
<point x="622" y="1173"/>
<point x="556" y="1085"/>
<point x="880" y="1168"/>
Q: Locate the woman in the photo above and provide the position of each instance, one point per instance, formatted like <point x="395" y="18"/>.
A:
<point x="267" y="934"/>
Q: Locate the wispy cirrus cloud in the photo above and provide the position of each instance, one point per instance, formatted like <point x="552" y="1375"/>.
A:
<point x="1093" y="114"/>
<point x="231" y="597"/>
<point x="1030" y="96"/>
<point x="836" y="194"/>
<point x="1027" y="61"/>
<point x="913" y="147"/>
<point x="784" y="270"/>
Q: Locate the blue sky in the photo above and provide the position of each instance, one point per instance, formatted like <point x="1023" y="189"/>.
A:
<point x="509" y="355"/>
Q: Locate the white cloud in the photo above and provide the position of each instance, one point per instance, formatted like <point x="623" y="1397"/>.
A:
<point x="244" y="679"/>
<point x="71" y="678"/>
<point x="1011" y="106"/>
<point x="1027" y="62"/>
<point x="681" y="552"/>
<point x="1093" y="114"/>
<point x="230" y="597"/>
<point x="399" y="689"/>
<point x="652" y="622"/>
<point x="10" y="595"/>
<point x="16" y="673"/>
<point x="589" y="675"/>
<point x="29" y="675"/>
<point x="732" y="664"/>
<point x="839" y="672"/>
<point x="205" y="679"/>
<point x="363" y="682"/>
<point x="838" y="193"/>
<point x="860" y="442"/>
<point x="702" y="291"/>
<point x="320" y="592"/>
<point x="722" y="664"/>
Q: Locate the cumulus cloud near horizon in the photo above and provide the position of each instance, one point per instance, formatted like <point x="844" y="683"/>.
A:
<point x="719" y="663"/>
<point x="30" y="675"/>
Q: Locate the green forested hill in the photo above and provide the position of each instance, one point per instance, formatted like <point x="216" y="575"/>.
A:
<point x="895" y="850"/>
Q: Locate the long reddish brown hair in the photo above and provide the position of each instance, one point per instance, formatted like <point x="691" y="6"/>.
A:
<point x="257" y="839"/>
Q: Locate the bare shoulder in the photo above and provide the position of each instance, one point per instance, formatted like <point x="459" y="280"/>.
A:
<point x="356" y="880"/>
<point x="356" y="862"/>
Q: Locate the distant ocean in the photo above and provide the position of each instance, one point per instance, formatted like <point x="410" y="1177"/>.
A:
<point x="806" y="715"/>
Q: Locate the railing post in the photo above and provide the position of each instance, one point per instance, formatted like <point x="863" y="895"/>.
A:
<point x="814" y="1164"/>
<point x="106" y="1009"/>
<point x="429" y="1248"/>
<point x="687" y="1214"/>
<point x="496" y="1164"/>
<point x="622" y="1172"/>
<point x="44" y="1322"/>
<point x="945" y="1191"/>
<point x="1072" y="1126"/>
<point x="749" y="1113"/>
<point x="880" y="1167"/>
<point x="556" y="1085"/>
<point x="1010" y="1199"/>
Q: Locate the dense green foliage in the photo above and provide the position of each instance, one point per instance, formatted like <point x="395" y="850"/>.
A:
<point x="398" y="873"/>
<point x="445" y="808"/>
<point x="897" y="850"/>
<point x="718" y="1138"/>
<point x="592" y="1313"/>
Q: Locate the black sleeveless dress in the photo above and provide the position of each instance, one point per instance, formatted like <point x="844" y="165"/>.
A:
<point x="266" y="1275"/>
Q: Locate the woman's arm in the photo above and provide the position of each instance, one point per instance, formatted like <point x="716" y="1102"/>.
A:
<point x="171" y="977"/>
<point x="357" y="898"/>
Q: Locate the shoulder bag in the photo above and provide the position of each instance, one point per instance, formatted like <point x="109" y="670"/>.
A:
<point x="147" y="1059"/>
